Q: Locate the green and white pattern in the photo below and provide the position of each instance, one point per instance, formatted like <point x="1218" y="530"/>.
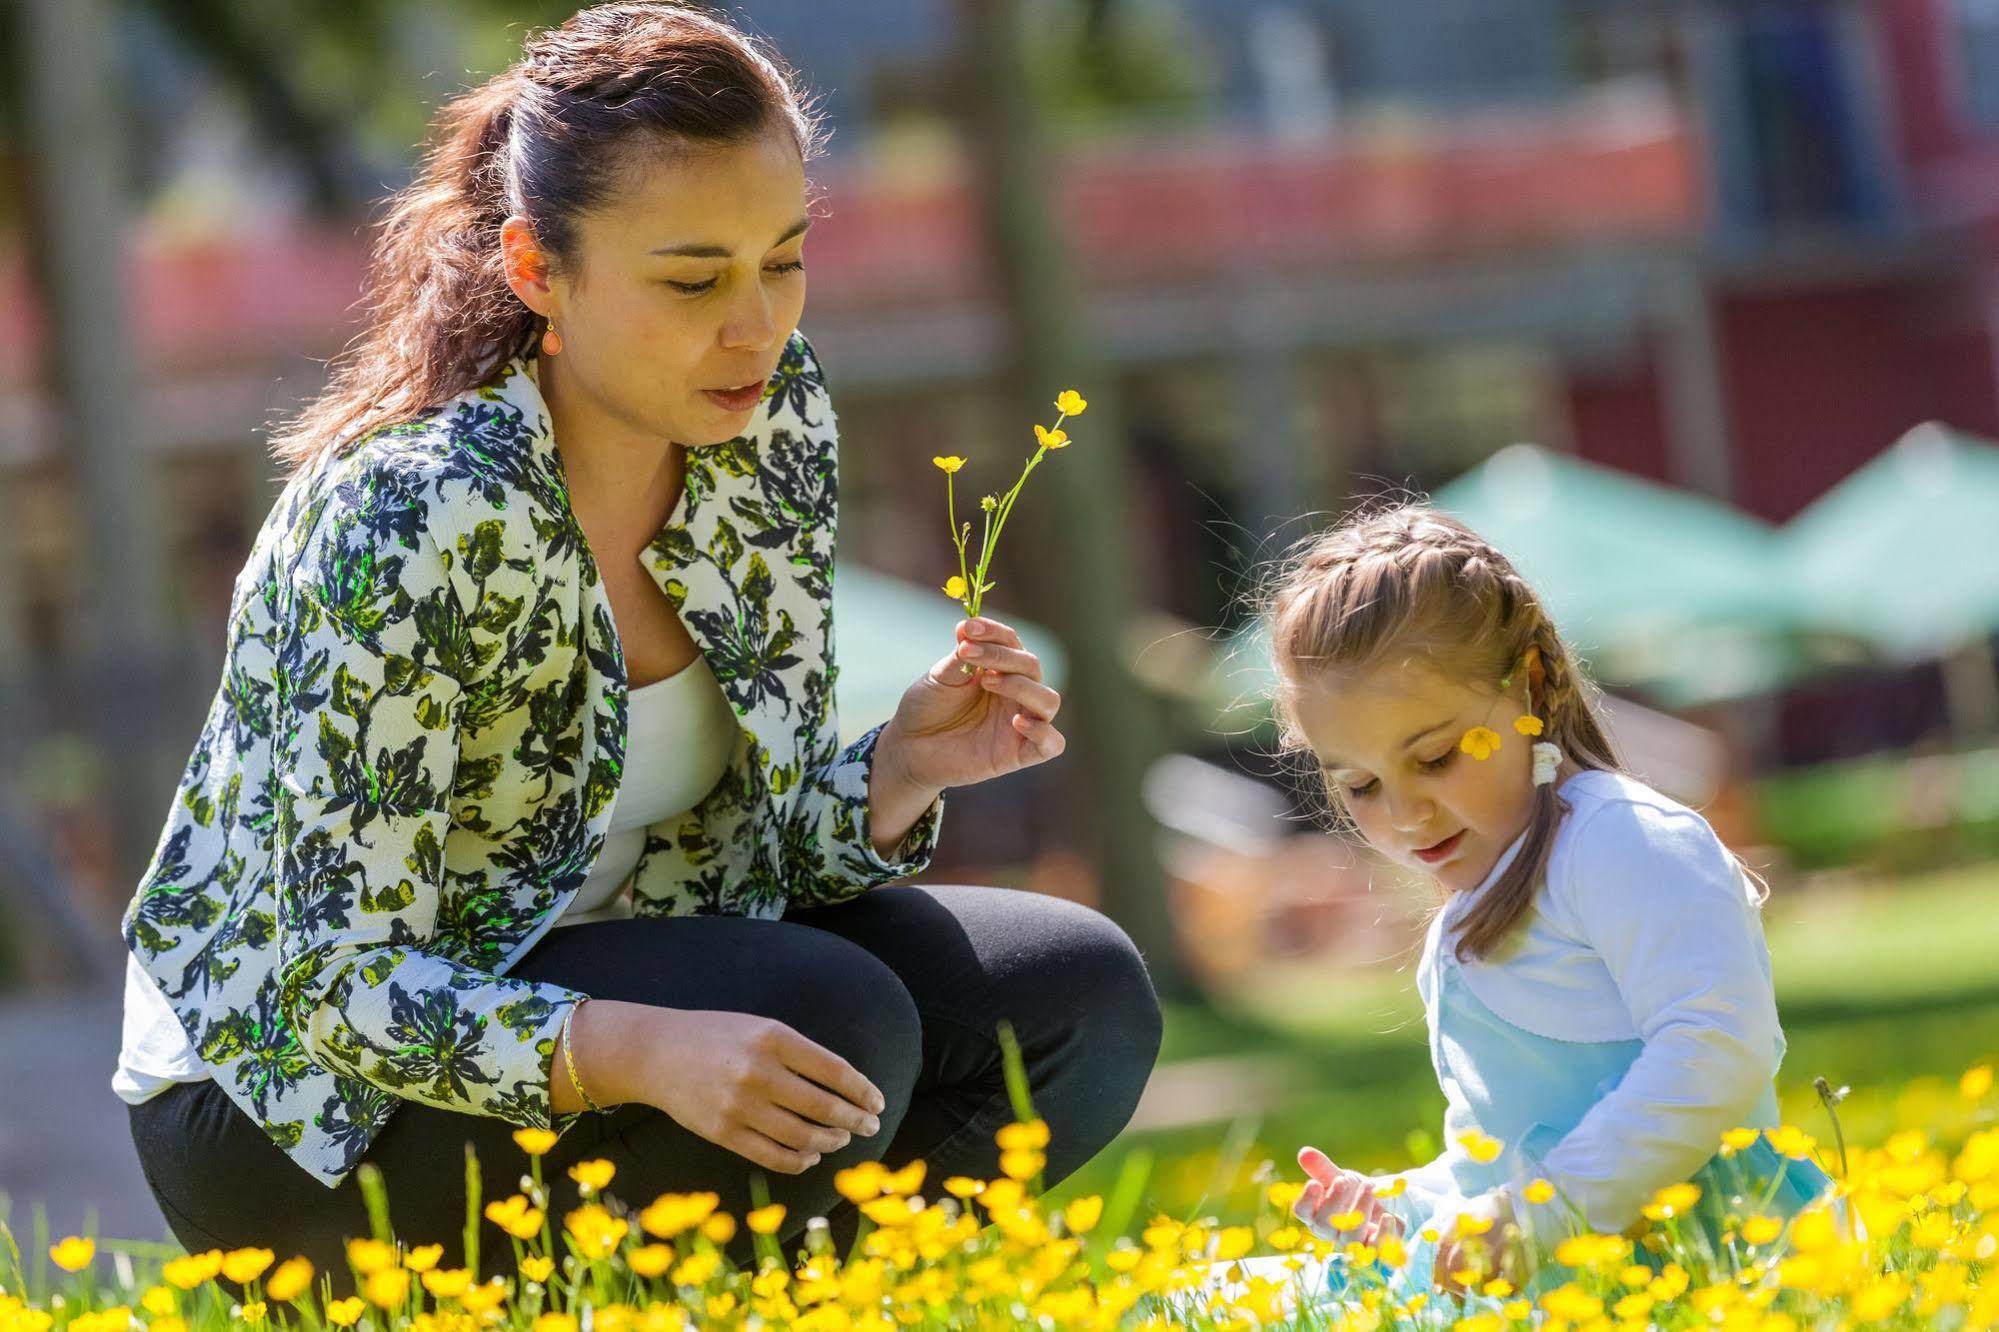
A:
<point x="411" y="762"/>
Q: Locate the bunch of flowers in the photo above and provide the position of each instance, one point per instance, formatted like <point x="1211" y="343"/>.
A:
<point x="969" y="585"/>
<point x="1909" y="1239"/>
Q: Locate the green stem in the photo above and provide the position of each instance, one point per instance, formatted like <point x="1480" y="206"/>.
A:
<point x="957" y="537"/>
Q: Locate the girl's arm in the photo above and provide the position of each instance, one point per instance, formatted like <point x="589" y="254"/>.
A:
<point x="1655" y="893"/>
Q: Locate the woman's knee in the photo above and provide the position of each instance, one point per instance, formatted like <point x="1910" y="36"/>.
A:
<point x="843" y="997"/>
<point x="1097" y="970"/>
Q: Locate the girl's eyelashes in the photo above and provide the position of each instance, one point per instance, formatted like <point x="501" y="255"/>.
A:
<point x="696" y="288"/>
<point x="1437" y="764"/>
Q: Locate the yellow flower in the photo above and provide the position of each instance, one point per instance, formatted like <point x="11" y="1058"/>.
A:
<point x="592" y="1175"/>
<point x="447" y="1283"/>
<point x="719" y="1228"/>
<point x="534" y="1141"/>
<point x="960" y="1186"/>
<point x="292" y="1279"/>
<point x="1793" y="1142"/>
<point x="1051" y="439"/>
<point x="1538" y="1191"/>
<point x="955" y="588"/>
<point x="766" y="1220"/>
<point x="515" y="1216"/>
<point x="906" y="1181"/>
<point x="191" y="1271"/>
<point x="1082" y="1215"/>
<point x="650" y="1260"/>
<point x="1739" y="1139"/>
<point x="1022" y="1164"/>
<point x="950" y="464"/>
<point x="721" y="1306"/>
<point x="1469" y="1225"/>
<point x="388" y="1288"/>
<point x="370" y="1255"/>
<point x="345" y="1313"/>
<point x="73" y="1253"/>
<point x="166" y="1323"/>
<point x="1479" y="1146"/>
<point x="253" y="1312"/>
<point x="597" y="1233"/>
<point x="1070" y="403"/>
<point x="536" y="1267"/>
<point x="1673" y="1200"/>
<point x="858" y="1183"/>
<point x="1975" y="1083"/>
<point x="1394" y="1188"/>
<point x="672" y="1213"/>
<point x="243" y="1266"/>
<point x="158" y="1301"/>
<point x="481" y="1299"/>
<point x="423" y="1257"/>
<point x="1762" y="1229"/>
<point x="1481" y="742"/>
<point x="1030" y="1136"/>
<point x="554" y="1322"/>
<point x="1527" y="724"/>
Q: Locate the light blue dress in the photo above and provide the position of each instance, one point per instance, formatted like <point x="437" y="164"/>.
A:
<point x="1611" y="1043"/>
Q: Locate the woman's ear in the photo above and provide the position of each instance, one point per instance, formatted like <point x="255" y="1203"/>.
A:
<point x="526" y="265"/>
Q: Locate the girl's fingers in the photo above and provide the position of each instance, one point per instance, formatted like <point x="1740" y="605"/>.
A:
<point x="1306" y="1207"/>
<point x="1032" y="695"/>
<point x="993" y="657"/>
<point x="1318" y="1165"/>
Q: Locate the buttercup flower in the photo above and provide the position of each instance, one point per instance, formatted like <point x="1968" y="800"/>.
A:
<point x="347" y="1312"/>
<point x="1481" y="742"/>
<point x="592" y="1175"/>
<point x="1070" y="403"/>
<point x="1538" y="1191"/>
<point x="73" y="1253"/>
<point x="766" y="1220"/>
<point x="954" y="588"/>
<point x="1051" y="439"/>
<point x="423" y="1257"/>
<point x="292" y="1279"/>
<point x="534" y="1141"/>
<point x="243" y="1266"/>
<point x="948" y="465"/>
<point x="1481" y="1147"/>
<point x="1528" y="724"/>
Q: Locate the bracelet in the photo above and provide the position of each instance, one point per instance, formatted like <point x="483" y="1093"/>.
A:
<point x="569" y="1058"/>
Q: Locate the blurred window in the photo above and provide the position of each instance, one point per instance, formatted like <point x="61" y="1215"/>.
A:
<point x="1977" y="49"/>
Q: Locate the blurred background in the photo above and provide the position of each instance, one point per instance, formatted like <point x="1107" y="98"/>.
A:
<point x="1692" y="307"/>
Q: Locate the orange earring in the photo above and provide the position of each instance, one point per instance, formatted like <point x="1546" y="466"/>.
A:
<point x="551" y="341"/>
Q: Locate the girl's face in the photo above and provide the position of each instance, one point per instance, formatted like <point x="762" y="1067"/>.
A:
<point x="1387" y="742"/>
<point x="687" y="287"/>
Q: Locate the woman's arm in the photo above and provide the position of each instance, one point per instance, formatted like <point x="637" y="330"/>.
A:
<point x="365" y="743"/>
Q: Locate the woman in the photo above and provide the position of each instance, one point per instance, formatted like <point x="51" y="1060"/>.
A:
<point x="521" y="801"/>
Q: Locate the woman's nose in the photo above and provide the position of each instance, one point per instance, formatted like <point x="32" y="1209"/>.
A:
<point x="749" y="326"/>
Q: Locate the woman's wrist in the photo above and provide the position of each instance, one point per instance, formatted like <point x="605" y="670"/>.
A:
<point x="895" y="800"/>
<point x="594" y="1043"/>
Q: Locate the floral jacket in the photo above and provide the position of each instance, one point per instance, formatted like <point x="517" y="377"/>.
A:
<point x="411" y="762"/>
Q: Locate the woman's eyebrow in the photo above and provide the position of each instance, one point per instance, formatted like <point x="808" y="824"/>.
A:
<point x="798" y="228"/>
<point x="1333" y="764"/>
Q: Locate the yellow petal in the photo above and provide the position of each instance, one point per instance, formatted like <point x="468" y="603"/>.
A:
<point x="766" y="1220"/>
<point x="955" y="588"/>
<point x="948" y="464"/>
<point x="1480" y="742"/>
<point x="534" y="1141"/>
<point x="73" y="1254"/>
<point x="1051" y="439"/>
<point x="1527" y="724"/>
<point x="1070" y="403"/>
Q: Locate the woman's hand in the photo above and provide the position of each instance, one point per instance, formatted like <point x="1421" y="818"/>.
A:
<point x="956" y="727"/>
<point x="1333" y="1192"/>
<point x="1476" y="1246"/>
<point x="747" y="1083"/>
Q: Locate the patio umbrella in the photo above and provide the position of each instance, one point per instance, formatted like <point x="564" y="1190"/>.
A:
<point x="1905" y="551"/>
<point x="891" y="631"/>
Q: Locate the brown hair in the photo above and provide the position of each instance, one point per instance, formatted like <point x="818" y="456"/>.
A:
<point x="1408" y="581"/>
<point x="546" y="139"/>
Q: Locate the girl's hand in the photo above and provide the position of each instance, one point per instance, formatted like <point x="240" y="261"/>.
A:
<point x="1477" y="1242"/>
<point x="1333" y="1192"/>
<point x="955" y="728"/>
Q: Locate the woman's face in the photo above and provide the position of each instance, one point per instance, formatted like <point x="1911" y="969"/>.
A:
<point x="1387" y="742"/>
<point x="686" y="287"/>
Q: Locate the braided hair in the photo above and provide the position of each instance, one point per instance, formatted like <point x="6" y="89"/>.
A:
<point x="1405" y="581"/>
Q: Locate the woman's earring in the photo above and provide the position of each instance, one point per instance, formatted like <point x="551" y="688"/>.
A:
<point x="1527" y="724"/>
<point x="551" y="341"/>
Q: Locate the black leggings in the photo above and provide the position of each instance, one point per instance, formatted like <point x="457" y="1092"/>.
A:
<point x="907" y="984"/>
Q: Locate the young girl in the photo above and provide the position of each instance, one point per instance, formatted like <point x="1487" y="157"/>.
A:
<point x="1596" y="983"/>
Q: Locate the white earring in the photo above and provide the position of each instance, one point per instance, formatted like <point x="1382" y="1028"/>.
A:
<point x="1547" y="758"/>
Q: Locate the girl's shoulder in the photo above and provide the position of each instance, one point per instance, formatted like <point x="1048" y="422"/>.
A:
<point x="1622" y="836"/>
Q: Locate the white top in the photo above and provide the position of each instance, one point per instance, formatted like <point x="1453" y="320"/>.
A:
<point x="681" y="734"/>
<point x="1645" y="928"/>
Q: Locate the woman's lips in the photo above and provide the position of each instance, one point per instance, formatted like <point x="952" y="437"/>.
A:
<point x="1442" y="850"/>
<point x="737" y="399"/>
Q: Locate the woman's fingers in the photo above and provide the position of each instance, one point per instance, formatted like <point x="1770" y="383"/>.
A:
<point x="993" y="657"/>
<point x="984" y="630"/>
<point x="816" y="1103"/>
<point x="1047" y="741"/>
<point x="1032" y="695"/>
<point x="788" y="1130"/>
<point x="812" y="1060"/>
